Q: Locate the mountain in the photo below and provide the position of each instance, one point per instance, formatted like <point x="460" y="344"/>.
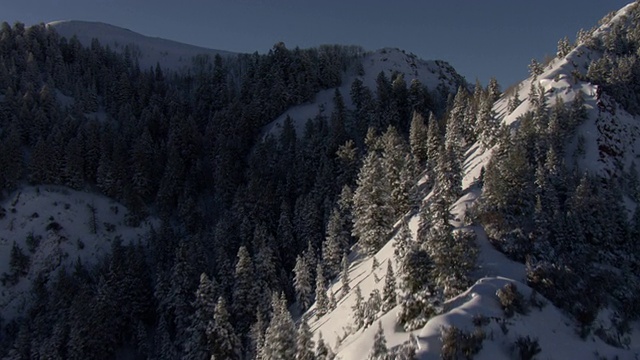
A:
<point x="604" y="145"/>
<point x="425" y="217"/>
<point x="148" y="50"/>
<point x="437" y="76"/>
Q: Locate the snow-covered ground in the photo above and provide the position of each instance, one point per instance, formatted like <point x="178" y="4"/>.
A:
<point x="556" y="333"/>
<point x="151" y="50"/>
<point x="32" y="212"/>
<point x="431" y="74"/>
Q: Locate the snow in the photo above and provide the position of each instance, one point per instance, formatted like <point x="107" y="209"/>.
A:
<point x="432" y="74"/>
<point x="31" y="210"/>
<point x="557" y="334"/>
<point x="152" y="50"/>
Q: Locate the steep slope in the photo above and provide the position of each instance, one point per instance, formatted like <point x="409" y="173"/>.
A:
<point x="438" y="76"/>
<point x="149" y="50"/>
<point x="55" y="227"/>
<point x="605" y="145"/>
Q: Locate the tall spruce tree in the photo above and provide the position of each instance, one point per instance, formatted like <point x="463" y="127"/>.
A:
<point x="302" y="283"/>
<point x="223" y="340"/>
<point x="280" y="336"/>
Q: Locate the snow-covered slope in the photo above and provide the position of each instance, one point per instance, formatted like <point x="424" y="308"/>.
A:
<point x="150" y="50"/>
<point x="434" y="74"/>
<point x="611" y="142"/>
<point x="54" y="226"/>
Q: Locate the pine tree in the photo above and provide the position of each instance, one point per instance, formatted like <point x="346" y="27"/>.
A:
<point x="223" y="340"/>
<point x="332" y="247"/>
<point x="302" y="283"/>
<point x="323" y="351"/>
<point x="204" y="305"/>
<point x="535" y="68"/>
<point x="493" y="90"/>
<point x="434" y="143"/>
<point x="280" y="337"/>
<point x="244" y="293"/>
<point x="420" y="300"/>
<point x="379" y="350"/>
<point x="514" y="101"/>
<point x="344" y="278"/>
<point x="358" y="310"/>
<point x="373" y="216"/>
<point x="333" y="303"/>
<point x="399" y="172"/>
<point x="322" y="301"/>
<point x="389" y="290"/>
<point x="418" y="139"/>
<point x="564" y="47"/>
<point x="402" y="243"/>
<point x="304" y="341"/>
<point x="372" y="307"/>
<point x="455" y="129"/>
<point x="448" y="175"/>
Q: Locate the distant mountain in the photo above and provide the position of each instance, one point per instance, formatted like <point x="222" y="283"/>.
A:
<point x="150" y="50"/>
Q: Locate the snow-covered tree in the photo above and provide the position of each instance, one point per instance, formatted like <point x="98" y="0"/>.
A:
<point x="372" y="307"/>
<point x="304" y="341"/>
<point x="358" y="309"/>
<point x="418" y="139"/>
<point x="379" y="351"/>
<point x="302" y="283"/>
<point x="332" y="247"/>
<point x="197" y="346"/>
<point x="280" y="336"/>
<point x="402" y="243"/>
<point x="372" y="212"/>
<point x="389" y="290"/>
<point x="344" y="277"/>
<point x="323" y="351"/>
<point x="322" y="301"/>
<point x="244" y="292"/>
<point x="223" y="339"/>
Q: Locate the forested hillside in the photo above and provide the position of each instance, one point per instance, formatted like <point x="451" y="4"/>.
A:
<point x="308" y="203"/>
<point x="237" y="209"/>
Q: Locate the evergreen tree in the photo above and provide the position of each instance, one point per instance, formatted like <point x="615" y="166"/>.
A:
<point x="358" y="309"/>
<point x="302" y="283"/>
<point x="332" y="247"/>
<point x="344" y="277"/>
<point x="379" y="350"/>
<point x="389" y="290"/>
<point x="448" y="175"/>
<point x="373" y="216"/>
<point x="304" y="342"/>
<point x="204" y="305"/>
<point x="323" y="351"/>
<point x="372" y="307"/>
<point x="455" y="129"/>
<point x="418" y="139"/>
<point x="322" y="301"/>
<point x="434" y="144"/>
<point x="402" y="243"/>
<point x="244" y="293"/>
<point x="280" y="336"/>
<point x="223" y="340"/>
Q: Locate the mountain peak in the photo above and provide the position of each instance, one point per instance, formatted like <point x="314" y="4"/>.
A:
<point x="169" y="54"/>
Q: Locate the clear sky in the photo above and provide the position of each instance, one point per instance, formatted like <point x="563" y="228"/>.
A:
<point x="480" y="38"/>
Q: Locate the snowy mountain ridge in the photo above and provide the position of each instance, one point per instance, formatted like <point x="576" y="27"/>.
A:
<point x="149" y="50"/>
<point x="605" y="145"/>
<point x="436" y="75"/>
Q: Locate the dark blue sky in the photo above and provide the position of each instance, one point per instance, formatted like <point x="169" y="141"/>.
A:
<point x="480" y="38"/>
